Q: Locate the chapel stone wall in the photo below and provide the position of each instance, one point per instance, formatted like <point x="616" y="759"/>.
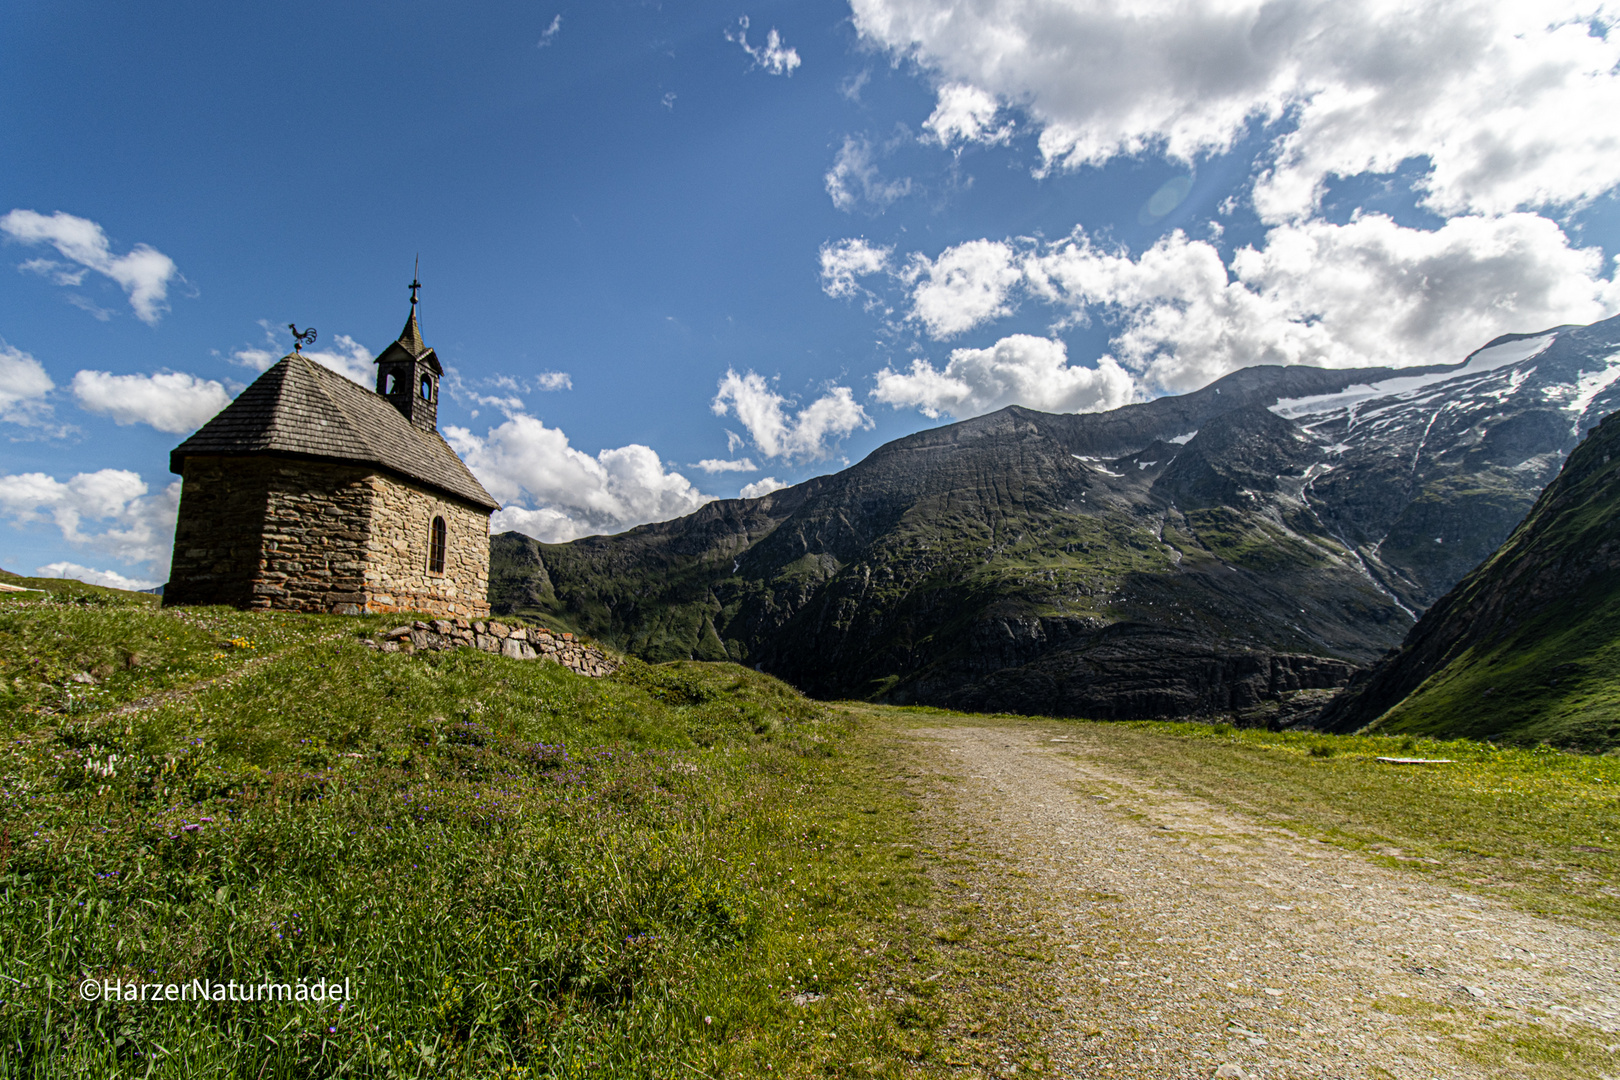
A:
<point x="315" y="523"/>
<point x="219" y="533"/>
<point x="290" y="534"/>
<point x="399" y="542"/>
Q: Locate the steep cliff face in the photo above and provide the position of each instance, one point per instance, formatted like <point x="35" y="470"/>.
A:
<point x="1526" y="648"/>
<point x="1223" y="550"/>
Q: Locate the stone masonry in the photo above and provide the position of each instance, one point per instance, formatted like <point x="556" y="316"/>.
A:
<point x="316" y="536"/>
<point x="514" y="642"/>
<point x="397" y="577"/>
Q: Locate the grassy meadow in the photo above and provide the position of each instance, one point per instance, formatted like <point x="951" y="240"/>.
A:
<point x="684" y="870"/>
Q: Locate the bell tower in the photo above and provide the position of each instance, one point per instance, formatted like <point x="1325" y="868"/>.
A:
<point x="408" y="373"/>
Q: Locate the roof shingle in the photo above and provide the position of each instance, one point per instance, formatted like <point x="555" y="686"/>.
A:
<point x="299" y="407"/>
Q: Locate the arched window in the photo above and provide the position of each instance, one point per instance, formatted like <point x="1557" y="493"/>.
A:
<point x="390" y="384"/>
<point x="427" y="388"/>
<point x="436" y="547"/>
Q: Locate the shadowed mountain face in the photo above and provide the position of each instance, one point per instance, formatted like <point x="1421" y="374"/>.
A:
<point x="1526" y="648"/>
<point x="1230" y="550"/>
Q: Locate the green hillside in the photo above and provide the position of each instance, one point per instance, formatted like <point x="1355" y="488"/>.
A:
<point x="1526" y="648"/>
<point x="521" y="872"/>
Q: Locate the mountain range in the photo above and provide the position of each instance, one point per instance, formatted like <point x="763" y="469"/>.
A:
<point x="1237" y="550"/>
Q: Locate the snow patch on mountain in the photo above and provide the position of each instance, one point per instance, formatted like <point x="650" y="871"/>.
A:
<point x="1485" y="360"/>
<point x="1593" y="383"/>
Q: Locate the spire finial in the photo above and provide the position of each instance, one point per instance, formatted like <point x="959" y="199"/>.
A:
<point x="414" y="283"/>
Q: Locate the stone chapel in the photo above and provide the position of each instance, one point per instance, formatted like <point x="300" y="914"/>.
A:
<point x="312" y="493"/>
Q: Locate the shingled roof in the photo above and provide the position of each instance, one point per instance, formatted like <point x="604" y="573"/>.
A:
<point x="410" y="346"/>
<point x="300" y="408"/>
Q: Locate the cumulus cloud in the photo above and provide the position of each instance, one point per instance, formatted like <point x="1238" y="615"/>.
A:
<point x="721" y="465"/>
<point x="23" y="386"/>
<point x="1368" y="292"/>
<point x="807" y="433"/>
<point x="842" y="263"/>
<point x="112" y="579"/>
<point x="554" y="492"/>
<point x="967" y="285"/>
<point x="170" y="401"/>
<point x="763" y="486"/>
<point x="965" y="113"/>
<point x="773" y="56"/>
<point x="1503" y="98"/>
<point x="108" y="511"/>
<point x="854" y="178"/>
<point x="1017" y="370"/>
<point x="144" y="273"/>
<point x="554" y="380"/>
<point x="344" y="355"/>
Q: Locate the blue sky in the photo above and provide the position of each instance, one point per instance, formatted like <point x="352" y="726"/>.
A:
<point x="674" y="252"/>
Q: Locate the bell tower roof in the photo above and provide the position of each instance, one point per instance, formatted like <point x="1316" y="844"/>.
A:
<point x="410" y="347"/>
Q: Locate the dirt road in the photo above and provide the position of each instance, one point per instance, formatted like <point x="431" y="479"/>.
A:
<point x="1192" y="942"/>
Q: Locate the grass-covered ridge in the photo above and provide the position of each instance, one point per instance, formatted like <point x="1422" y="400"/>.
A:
<point x="681" y="870"/>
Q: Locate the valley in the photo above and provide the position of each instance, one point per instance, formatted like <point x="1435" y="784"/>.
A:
<point x="1237" y="551"/>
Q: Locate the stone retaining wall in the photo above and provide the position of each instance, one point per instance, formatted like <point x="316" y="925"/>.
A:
<point x="515" y="642"/>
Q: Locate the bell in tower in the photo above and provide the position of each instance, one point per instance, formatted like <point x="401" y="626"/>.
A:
<point x="408" y="373"/>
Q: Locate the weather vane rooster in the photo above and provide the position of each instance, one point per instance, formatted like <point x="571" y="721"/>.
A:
<point x="301" y="338"/>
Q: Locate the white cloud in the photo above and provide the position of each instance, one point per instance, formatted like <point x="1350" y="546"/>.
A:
<point x="721" y="465"/>
<point x="806" y="434"/>
<point x="1506" y="99"/>
<point x="23" y="386"/>
<point x="144" y="273"/>
<point x="967" y="285"/>
<point x="112" y="579"/>
<point x="854" y="178"/>
<point x="170" y="401"/>
<point x="58" y="273"/>
<point x="967" y="114"/>
<point x="108" y="511"/>
<point x="550" y="32"/>
<point x="554" y="380"/>
<point x="1017" y="370"/>
<point x="773" y="56"/>
<point x="763" y="486"/>
<point x="345" y="356"/>
<point x="843" y="262"/>
<point x="1365" y="293"/>
<point x="569" y="492"/>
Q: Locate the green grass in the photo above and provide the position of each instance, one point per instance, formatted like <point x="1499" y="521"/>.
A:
<point x="1552" y="681"/>
<point x="1537" y="827"/>
<point x="521" y="871"/>
<point x="127" y="645"/>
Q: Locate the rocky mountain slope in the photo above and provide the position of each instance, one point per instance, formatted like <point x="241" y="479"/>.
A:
<point x="1219" y="551"/>
<point x="1526" y="648"/>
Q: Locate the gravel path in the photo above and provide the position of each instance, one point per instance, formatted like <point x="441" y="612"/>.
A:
<point x="1194" y="942"/>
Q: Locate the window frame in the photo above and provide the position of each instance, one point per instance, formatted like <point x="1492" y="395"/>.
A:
<point x="438" y="544"/>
